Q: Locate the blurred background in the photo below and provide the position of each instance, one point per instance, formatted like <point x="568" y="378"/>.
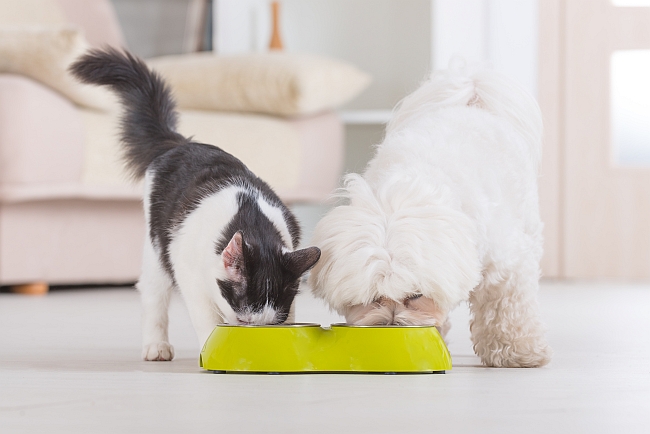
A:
<point x="68" y="216"/>
<point x="300" y="91"/>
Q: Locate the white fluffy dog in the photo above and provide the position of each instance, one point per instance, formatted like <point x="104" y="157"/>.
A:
<point x="446" y="212"/>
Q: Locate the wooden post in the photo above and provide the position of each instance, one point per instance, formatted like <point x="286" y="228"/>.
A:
<point x="36" y="288"/>
<point x="276" y="41"/>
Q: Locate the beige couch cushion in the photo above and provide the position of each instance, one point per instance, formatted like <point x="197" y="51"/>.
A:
<point x="286" y="84"/>
<point x="44" y="53"/>
<point x="300" y="158"/>
<point x="270" y="147"/>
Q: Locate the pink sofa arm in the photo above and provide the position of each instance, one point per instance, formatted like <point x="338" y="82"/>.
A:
<point x="41" y="137"/>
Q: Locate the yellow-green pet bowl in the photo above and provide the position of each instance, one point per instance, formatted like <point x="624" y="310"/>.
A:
<point x="310" y="348"/>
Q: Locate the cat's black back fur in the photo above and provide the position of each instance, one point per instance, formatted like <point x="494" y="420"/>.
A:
<point x="187" y="174"/>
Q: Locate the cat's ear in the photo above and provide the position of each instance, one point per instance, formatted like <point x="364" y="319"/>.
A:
<point x="301" y="260"/>
<point x="233" y="258"/>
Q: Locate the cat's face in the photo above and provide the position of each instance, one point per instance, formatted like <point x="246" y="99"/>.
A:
<point x="261" y="282"/>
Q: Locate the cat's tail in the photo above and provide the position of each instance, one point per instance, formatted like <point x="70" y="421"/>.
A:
<point x="463" y="85"/>
<point x="149" y="119"/>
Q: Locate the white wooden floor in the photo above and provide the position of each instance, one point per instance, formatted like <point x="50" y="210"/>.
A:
<point x="69" y="363"/>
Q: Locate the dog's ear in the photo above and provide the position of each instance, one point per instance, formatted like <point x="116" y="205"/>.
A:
<point x="233" y="258"/>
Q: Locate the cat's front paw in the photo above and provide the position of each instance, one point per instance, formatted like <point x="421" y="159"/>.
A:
<point x="158" y="351"/>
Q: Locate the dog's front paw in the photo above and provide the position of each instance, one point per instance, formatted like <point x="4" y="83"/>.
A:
<point x="158" y="351"/>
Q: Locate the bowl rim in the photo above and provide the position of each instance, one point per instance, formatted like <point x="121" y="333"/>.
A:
<point x="279" y="326"/>
<point x="381" y="326"/>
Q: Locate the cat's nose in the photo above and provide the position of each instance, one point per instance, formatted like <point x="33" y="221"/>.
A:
<point x="243" y="321"/>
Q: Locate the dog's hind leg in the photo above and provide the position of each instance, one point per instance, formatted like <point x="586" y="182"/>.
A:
<point x="505" y="326"/>
<point x="155" y="288"/>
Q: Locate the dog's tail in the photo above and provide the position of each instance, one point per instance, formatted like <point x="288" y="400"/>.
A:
<point x="459" y="85"/>
<point x="149" y="119"/>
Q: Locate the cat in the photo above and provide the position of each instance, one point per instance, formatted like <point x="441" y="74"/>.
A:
<point x="216" y="231"/>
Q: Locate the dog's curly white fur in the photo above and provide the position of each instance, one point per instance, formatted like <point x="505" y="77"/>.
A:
<point x="447" y="210"/>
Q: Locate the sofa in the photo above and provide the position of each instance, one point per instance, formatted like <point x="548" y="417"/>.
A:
<point x="68" y="213"/>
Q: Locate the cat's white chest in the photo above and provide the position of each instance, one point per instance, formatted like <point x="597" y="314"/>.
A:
<point x="192" y="251"/>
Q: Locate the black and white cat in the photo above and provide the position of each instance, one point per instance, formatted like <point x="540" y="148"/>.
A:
<point x="215" y="230"/>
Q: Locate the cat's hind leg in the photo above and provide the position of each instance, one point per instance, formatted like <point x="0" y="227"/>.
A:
<point x="155" y="288"/>
<point x="203" y="311"/>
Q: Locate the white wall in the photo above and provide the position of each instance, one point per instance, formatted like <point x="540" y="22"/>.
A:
<point x="390" y="39"/>
<point x="152" y="27"/>
<point x="397" y="41"/>
<point x="500" y="33"/>
<point x="241" y="26"/>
